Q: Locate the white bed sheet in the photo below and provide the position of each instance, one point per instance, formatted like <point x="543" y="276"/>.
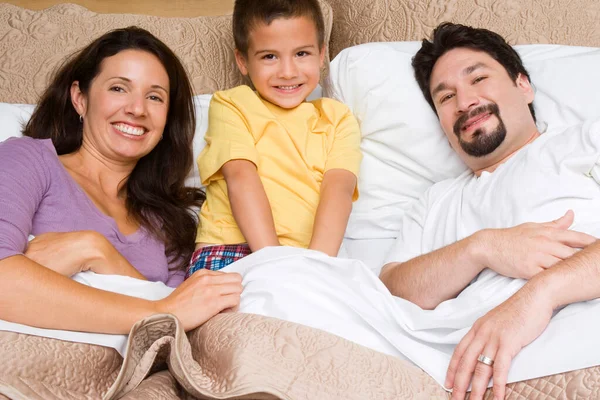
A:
<point x="372" y="252"/>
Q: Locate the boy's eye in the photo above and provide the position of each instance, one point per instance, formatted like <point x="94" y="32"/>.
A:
<point x="479" y="79"/>
<point x="302" y="53"/>
<point x="269" y="57"/>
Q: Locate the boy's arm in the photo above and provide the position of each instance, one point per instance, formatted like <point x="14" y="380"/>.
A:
<point x="249" y="204"/>
<point x="334" y="208"/>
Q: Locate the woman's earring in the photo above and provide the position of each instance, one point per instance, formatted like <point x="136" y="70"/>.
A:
<point x="81" y="118"/>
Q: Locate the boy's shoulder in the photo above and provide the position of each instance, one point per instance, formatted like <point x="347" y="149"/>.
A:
<point x="327" y="102"/>
<point x="332" y="108"/>
<point x="238" y="93"/>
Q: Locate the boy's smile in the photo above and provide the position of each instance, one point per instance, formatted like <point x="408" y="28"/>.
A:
<point x="284" y="60"/>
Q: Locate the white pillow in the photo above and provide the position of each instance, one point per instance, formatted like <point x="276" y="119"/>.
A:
<point x="14" y="116"/>
<point x="404" y="148"/>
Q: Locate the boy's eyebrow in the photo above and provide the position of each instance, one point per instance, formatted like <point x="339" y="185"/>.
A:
<point x="122" y="78"/>
<point x="465" y="72"/>
<point x="308" y="46"/>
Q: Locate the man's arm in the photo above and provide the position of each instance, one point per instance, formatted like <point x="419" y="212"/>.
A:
<point x="335" y="204"/>
<point x="504" y="331"/>
<point x="432" y="278"/>
<point x="519" y="252"/>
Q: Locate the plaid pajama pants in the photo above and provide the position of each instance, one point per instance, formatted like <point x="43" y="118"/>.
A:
<point x="216" y="257"/>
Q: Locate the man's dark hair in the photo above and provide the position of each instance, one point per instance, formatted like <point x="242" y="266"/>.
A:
<point x="448" y="36"/>
<point x="248" y="13"/>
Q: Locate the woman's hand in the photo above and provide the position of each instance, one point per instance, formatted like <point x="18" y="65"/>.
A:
<point x="71" y="252"/>
<point x="202" y="296"/>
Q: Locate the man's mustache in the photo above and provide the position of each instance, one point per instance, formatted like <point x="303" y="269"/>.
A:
<point x="491" y="108"/>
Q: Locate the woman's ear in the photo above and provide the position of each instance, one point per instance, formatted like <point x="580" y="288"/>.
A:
<point x="241" y="62"/>
<point x="78" y="99"/>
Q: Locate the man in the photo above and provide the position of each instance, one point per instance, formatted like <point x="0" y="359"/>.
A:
<point x="482" y="94"/>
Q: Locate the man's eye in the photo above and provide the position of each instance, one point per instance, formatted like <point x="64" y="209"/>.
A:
<point x="446" y="98"/>
<point x="479" y="79"/>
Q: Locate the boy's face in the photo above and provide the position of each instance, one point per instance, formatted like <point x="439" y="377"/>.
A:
<point x="284" y="60"/>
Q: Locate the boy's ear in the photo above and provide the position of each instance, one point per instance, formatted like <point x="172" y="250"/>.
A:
<point x="241" y="62"/>
<point x="322" y="56"/>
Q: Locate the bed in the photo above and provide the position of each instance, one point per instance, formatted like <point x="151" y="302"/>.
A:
<point x="246" y="356"/>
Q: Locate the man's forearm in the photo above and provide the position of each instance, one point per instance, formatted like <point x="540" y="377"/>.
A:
<point x="572" y="280"/>
<point x="432" y="278"/>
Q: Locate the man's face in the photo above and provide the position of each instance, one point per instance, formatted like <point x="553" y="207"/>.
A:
<point x="483" y="112"/>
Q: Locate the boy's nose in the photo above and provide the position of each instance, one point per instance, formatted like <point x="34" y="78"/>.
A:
<point x="288" y="69"/>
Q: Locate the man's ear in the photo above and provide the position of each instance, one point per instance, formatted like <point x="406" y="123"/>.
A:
<point x="525" y="86"/>
<point x="241" y="62"/>
<point x="78" y="99"/>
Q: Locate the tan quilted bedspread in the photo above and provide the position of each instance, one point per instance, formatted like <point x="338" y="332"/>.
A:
<point x="234" y="356"/>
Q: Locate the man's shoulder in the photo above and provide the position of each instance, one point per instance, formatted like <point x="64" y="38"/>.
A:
<point x="451" y="184"/>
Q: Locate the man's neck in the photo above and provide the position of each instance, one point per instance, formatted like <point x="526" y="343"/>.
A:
<point x="492" y="168"/>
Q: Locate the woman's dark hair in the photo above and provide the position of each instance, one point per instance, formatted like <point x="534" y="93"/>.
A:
<point x="448" y="36"/>
<point x="248" y="13"/>
<point x="156" y="195"/>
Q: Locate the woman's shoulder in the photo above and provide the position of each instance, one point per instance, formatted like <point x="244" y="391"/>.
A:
<point x="28" y="143"/>
<point x="28" y="158"/>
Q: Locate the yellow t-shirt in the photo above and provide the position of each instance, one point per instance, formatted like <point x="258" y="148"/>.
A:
<point x="291" y="149"/>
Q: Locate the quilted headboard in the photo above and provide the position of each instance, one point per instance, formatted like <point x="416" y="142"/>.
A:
<point x="572" y="22"/>
<point x="34" y="42"/>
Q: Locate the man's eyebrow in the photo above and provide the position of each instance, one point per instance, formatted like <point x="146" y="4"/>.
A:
<point x="438" y="88"/>
<point x="467" y="71"/>
<point x="122" y="78"/>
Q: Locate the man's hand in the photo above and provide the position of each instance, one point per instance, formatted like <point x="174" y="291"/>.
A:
<point x="527" y="249"/>
<point x="499" y="335"/>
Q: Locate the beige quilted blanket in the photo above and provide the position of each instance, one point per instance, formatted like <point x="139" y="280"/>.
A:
<point x="234" y="356"/>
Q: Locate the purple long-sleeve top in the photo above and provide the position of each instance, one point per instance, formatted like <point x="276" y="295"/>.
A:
<point x="37" y="195"/>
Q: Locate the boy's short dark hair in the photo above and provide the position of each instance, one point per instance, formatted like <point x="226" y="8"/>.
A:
<point x="248" y="13"/>
<point x="448" y="36"/>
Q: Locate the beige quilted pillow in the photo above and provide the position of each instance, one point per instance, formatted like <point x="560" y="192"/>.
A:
<point x="34" y="43"/>
<point x="572" y="22"/>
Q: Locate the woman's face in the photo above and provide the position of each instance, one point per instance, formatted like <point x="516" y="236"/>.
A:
<point x="125" y="109"/>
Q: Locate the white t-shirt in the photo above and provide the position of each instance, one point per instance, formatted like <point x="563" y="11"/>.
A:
<point x="558" y="171"/>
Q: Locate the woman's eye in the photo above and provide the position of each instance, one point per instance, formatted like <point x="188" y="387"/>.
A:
<point x="156" y="98"/>
<point x="117" y="89"/>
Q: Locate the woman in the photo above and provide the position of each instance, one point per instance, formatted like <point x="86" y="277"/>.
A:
<point x="106" y="193"/>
